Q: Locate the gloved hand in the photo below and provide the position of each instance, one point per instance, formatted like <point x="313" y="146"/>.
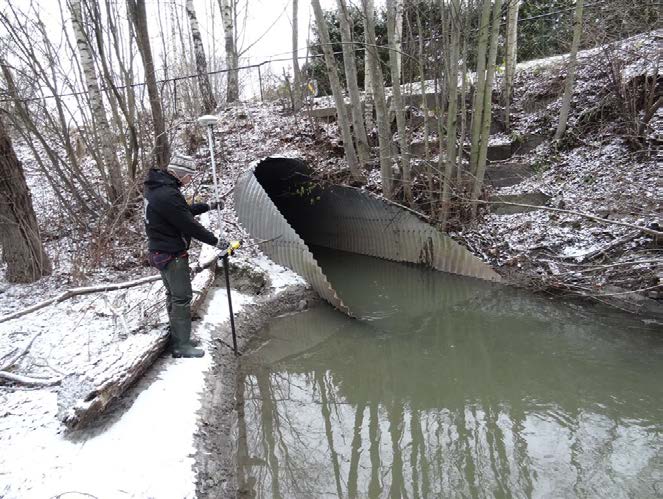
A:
<point x="222" y="244"/>
<point x="214" y="204"/>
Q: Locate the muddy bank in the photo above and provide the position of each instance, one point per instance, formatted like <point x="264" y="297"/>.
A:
<point x="215" y="466"/>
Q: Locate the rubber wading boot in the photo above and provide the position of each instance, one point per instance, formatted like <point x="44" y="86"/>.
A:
<point x="180" y="337"/>
<point x="187" y="351"/>
<point x="193" y="341"/>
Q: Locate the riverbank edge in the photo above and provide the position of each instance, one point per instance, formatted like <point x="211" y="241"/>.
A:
<point x="214" y="467"/>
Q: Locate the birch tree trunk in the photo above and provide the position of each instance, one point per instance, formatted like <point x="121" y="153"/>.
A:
<point x="209" y="102"/>
<point x="424" y="108"/>
<point x="398" y="8"/>
<point x="369" y="101"/>
<point x="111" y="166"/>
<point x="232" y="58"/>
<point x="341" y="110"/>
<point x="463" y="110"/>
<point x="571" y="72"/>
<point x="382" y="116"/>
<point x="511" y="56"/>
<point x="452" y="109"/>
<point x="479" y="86"/>
<point x="351" y="80"/>
<point x="296" y="73"/>
<point x="22" y="250"/>
<point x="138" y="17"/>
<point x="487" y="106"/>
<point x="394" y="66"/>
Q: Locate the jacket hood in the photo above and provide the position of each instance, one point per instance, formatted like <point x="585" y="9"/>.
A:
<point x="159" y="178"/>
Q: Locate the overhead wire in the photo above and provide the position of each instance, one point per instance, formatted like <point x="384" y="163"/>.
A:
<point x="269" y="60"/>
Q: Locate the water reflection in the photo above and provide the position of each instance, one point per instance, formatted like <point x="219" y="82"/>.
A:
<point x="488" y="394"/>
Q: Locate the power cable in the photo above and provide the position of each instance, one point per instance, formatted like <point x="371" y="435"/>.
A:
<point x="269" y="60"/>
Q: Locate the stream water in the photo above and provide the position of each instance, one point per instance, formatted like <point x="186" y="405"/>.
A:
<point x="449" y="387"/>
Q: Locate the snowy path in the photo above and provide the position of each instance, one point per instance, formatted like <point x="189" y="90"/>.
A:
<point x="145" y="450"/>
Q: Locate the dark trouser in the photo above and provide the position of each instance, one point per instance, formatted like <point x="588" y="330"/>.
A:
<point x="177" y="282"/>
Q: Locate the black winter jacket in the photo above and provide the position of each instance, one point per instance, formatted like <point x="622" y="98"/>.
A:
<point x="169" y="221"/>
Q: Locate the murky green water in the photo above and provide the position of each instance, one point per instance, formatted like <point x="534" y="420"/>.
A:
<point x="453" y="388"/>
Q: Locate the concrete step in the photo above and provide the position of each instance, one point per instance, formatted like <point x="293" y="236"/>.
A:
<point x="536" y="198"/>
<point x="505" y="174"/>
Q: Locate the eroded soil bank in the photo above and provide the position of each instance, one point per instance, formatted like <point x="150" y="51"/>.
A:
<point x="215" y="467"/>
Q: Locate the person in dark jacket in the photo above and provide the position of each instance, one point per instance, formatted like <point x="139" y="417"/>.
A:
<point x="170" y="226"/>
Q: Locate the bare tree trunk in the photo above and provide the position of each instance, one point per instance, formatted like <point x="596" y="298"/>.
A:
<point x="369" y="101"/>
<point x="358" y="126"/>
<point x="125" y="103"/>
<point x="341" y="110"/>
<point x="382" y="116"/>
<point x="181" y="90"/>
<point x="511" y="56"/>
<point x="209" y="102"/>
<point x="394" y="66"/>
<point x="232" y="58"/>
<point x="571" y="72"/>
<point x="138" y="17"/>
<point x="398" y="8"/>
<point x="452" y="109"/>
<point x="463" y="111"/>
<point x="479" y="86"/>
<point x="487" y="106"/>
<point x="22" y="250"/>
<point x="424" y="108"/>
<point x="296" y="73"/>
<point x="111" y="164"/>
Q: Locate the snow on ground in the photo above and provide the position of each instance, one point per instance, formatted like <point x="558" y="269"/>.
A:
<point x="143" y="451"/>
<point x="145" y="446"/>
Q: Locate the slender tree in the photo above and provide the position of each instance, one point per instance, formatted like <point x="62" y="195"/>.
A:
<point x="511" y="58"/>
<point x="22" y="249"/>
<point x="111" y="165"/>
<point x="369" y="103"/>
<point x="394" y="66"/>
<point x="341" y="110"/>
<point x="452" y="108"/>
<point x="296" y="72"/>
<point x="136" y="9"/>
<point x="571" y="71"/>
<point x="398" y="7"/>
<point x="208" y="100"/>
<point x="487" y="105"/>
<point x="479" y="87"/>
<point x="228" y="9"/>
<point x="358" y="126"/>
<point x="381" y="113"/>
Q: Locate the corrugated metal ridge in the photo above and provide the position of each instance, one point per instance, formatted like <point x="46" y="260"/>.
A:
<point x="366" y="224"/>
<point x="262" y="220"/>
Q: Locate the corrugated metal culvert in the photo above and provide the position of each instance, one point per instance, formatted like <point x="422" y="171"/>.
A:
<point x="276" y="199"/>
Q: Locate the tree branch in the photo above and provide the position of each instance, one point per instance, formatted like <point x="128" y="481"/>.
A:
<point x="29" y="380"/>
<point x="13" y="360"/>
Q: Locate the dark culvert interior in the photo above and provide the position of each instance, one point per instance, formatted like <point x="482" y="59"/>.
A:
<point x="288" y="183"/>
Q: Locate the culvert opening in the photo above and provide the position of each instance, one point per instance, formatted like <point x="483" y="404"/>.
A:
<point x="278" y="201"/>
<point x="287" y="182"/>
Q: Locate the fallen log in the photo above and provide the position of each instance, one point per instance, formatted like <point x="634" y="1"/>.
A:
<point x="82" y="398"/>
